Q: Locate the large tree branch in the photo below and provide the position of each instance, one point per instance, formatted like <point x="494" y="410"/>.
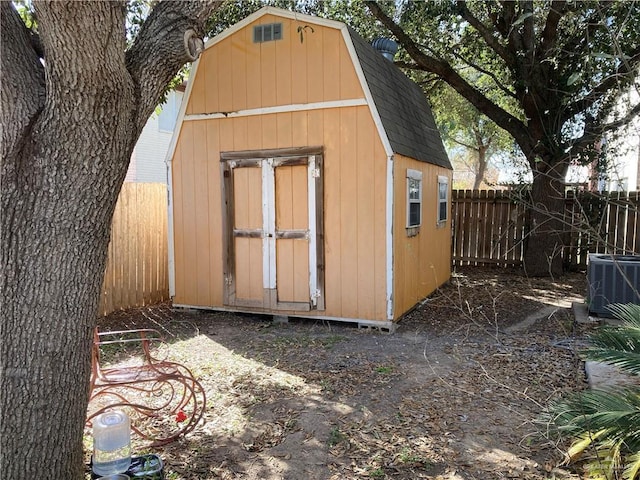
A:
<point x="529" y="34"/>
<point x="488" y="73"/>
<point x="514" y="39"/>
<point x="170" y="37"/>
<point x="622" y="121"/>
<point x="501" y="117"/>
<point x="23" y="87"/>
<point x="595" y="130"/>
<point x="463" y="144"/>
<point x="557" y="10"/>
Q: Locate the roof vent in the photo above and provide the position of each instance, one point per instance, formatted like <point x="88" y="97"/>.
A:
<point x="386" y="47"/>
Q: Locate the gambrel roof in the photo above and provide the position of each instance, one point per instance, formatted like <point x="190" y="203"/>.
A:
<point x="399" y="107"/>
<point x="403" y="107"/>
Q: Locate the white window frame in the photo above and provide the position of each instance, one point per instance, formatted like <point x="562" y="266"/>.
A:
<point x="442" y="180"/>
<point x="414" y="175"/>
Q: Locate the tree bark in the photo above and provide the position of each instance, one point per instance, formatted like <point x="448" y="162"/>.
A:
<point x="481" y="148"/>
<point x="545" y="225"/>
<point x="69" y="126"/>
<point x="482" y="167"/>
<point x="56" y="213"/>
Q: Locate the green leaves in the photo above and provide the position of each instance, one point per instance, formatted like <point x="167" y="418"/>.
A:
<point x="573" y="78"/>
<point x="606" y="420"/>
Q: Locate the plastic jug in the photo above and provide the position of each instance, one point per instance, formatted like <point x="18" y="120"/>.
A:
<point x="111" y="443"/>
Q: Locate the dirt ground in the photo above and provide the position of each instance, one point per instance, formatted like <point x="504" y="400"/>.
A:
<point x="452" y="394"/>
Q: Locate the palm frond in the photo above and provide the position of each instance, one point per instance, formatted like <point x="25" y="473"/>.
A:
<point x="625" y="360"/>
<point x="623" y="337"/>
<point x="614" y="415"/>
<point x="628" y="313"/>
<point x="619" y="345"/>
<point x="632" y="468"/>
<point x="607" y="420"/>
<point x="583" y="442"/>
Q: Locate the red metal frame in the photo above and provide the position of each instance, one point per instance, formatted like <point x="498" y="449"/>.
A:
<point x="156" y="390"/>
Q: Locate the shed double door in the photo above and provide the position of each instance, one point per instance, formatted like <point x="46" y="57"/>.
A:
<point x="274" y="229"/>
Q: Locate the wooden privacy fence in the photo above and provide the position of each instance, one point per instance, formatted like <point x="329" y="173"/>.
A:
<point x="601" y="223"/>
<point x="489" y="226"/>
<point x="137" y="266"/>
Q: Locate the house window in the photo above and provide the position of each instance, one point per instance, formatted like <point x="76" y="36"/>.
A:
<point x="267" y="33"/>
<point x="443" y="200"/>
<point x="414" y="201"/>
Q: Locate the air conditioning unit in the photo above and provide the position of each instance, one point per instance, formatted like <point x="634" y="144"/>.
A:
<point x="612" y="279"/>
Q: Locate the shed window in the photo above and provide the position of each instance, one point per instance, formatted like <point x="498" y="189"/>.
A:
<point x="267" y="33"/>
<point x="414" y="201"/>
<point x="443" y="200"/>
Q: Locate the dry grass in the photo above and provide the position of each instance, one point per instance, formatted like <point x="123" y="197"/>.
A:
<point x="451" y="395"/>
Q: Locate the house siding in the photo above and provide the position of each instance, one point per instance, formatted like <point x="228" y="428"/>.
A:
<point x="236" y="74"/>
<point x="354" y="203"/>
<point x="372" y="270"/>
<point x="421" y="263"/>
<point x="148" y="160"/>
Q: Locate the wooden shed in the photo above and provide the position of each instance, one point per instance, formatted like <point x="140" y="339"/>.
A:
<point x="307" y="178"/>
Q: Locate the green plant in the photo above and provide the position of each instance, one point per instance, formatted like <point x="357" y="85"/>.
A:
<point x="606" y="419"/>
<point x="330" y="341"/>
<point x="377" y="473"/>
<point x="335" y="437"/>
<point x="384" y="370"/>
<point x="407" y="456"/>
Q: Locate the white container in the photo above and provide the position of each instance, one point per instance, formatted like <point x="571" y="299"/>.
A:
<point x="111" y="443"/>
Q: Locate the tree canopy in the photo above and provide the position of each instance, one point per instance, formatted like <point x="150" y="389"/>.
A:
<point x="551" y="72"/>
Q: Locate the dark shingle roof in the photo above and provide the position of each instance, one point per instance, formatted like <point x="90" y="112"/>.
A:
<point x="403" y="107"/>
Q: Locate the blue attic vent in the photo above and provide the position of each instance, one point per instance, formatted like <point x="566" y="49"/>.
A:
<point x="387" y="47"/>
<point x="267" y="33"/>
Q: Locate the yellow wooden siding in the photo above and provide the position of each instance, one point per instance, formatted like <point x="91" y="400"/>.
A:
<point x="236" y="74"/>
<point x="247" y="203"/>
<point x="292" y="213"/>
<point x="421" y="263"/>
<point x="210" y="168"/>
<point x="354" y="179"/>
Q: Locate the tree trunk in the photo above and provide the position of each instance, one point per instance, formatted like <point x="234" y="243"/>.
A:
<point x="482" y="165"/>
<point x="59" y="189"/>
<point x="545" y="225"/>
<point x="53" y="271"/>
<point x="65" y="152"/>
<point x="55" y="232"/>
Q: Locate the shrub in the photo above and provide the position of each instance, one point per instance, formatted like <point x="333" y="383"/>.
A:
<point x="605" y="423"/>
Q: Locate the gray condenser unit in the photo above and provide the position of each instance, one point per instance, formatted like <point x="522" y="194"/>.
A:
<point x="612" y="279"/>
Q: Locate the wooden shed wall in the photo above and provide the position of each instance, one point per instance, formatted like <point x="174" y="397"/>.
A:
<point x="423" y="262"/>
<point x="235" y="74"/>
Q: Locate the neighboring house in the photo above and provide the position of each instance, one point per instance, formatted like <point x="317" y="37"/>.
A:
<point x="621" y="154"/>
<point x="148" y="161"/>
<point x="624" y="152"/>
<point x="307" y="177"/>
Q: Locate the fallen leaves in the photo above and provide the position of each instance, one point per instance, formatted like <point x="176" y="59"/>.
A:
<point x="450" y="395"/>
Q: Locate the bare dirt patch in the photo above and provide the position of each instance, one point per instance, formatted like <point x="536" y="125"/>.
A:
<point x="451" y="395"/>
